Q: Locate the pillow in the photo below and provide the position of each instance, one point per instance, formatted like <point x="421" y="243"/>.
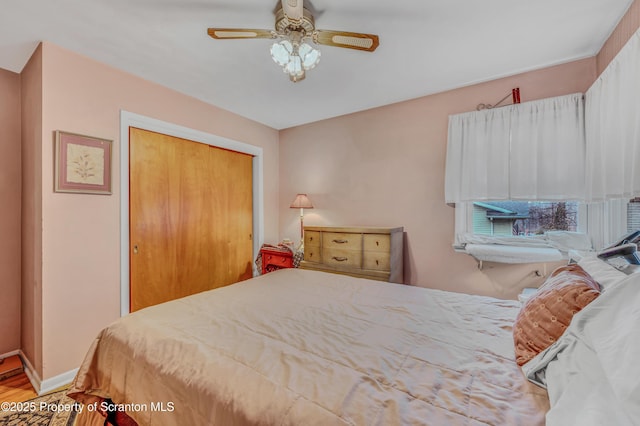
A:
<point x="605" y="274"/>
<point x="546" y="315"/>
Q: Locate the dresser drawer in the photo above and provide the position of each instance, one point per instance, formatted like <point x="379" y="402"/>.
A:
<point x="377" y="242"/>
<point x="341" y="257"/>
<point x="277" y="260"/>
<point x="312" y="254"/>
<point x="376" y="260"/>
<point x="341" y="241"/>
<point x="311" y="239"/>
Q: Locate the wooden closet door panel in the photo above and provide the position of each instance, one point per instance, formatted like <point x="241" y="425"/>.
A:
<point x="232" y="206"/>
<point x="169" y="214"/>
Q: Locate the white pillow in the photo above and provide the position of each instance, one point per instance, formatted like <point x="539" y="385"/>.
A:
<point x="613" y="331"/>
<point x="604" y="274"/>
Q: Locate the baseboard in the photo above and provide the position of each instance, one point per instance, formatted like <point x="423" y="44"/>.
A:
<point x="12" y="353"/>
<point x="45" y="386"/>
<point x="60" y="380"/>
<point x="31" y="373"/>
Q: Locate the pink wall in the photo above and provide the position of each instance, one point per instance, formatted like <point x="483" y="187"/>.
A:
<point x="31" y="332"/>
<point x="9" y="211"/>
<point x="81" y="233"/>
<point x="619" y="37"/>
<point x="385" y="167"/>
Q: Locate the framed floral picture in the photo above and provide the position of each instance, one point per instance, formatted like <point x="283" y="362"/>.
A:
<point x="82" y="164"/>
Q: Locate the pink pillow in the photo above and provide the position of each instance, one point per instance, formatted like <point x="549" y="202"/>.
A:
<point x="546" y="315"/>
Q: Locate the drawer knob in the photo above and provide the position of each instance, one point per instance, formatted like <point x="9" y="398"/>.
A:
<point x="339" y="258"/>
<point x="340" y="241"/>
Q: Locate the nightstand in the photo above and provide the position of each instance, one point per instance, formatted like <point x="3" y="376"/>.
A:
<point x="274" y="258"/>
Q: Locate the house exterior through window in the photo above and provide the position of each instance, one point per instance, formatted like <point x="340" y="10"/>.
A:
<point x="525" y="218"/>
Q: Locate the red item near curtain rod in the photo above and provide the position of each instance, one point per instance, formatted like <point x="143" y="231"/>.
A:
<point x="515" y="95"/>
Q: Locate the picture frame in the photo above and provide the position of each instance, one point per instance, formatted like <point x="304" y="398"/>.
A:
<point x="82" y="164"/>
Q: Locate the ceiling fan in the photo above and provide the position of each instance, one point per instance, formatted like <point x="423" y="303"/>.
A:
<point x="295" y="28"/>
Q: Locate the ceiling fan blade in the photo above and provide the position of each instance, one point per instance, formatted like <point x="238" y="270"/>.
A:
<point x="239" y="33"/>
<point x="293" y="10"/>
<point x="358" y="41"/>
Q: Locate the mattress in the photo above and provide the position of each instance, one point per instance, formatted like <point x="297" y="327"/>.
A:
<point x="302" y="347"/>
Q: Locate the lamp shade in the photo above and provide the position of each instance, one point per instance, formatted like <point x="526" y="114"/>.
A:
<point x="301" y="202"/>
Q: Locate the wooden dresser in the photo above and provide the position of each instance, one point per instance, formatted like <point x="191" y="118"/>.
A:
<point x="374" y="253"/>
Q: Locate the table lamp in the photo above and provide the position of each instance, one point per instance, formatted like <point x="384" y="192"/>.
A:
<point x="301" y="202"/>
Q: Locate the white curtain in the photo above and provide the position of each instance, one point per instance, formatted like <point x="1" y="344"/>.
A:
<point x="529" y="151"/>
<point x="606" y="222"/>
<point x="612" y="119"/>
<point x="478" y="156"/>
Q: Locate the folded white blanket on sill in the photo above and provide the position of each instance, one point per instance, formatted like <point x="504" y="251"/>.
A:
<point x="513" y="254"/>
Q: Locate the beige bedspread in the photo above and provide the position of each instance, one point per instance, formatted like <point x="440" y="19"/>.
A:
<point x="300" y="347"/>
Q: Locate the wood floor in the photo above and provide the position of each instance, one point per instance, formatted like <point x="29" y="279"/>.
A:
<point x="16" y="389"/>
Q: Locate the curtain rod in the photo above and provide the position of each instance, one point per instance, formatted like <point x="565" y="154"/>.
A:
<point x="515" y="97"/>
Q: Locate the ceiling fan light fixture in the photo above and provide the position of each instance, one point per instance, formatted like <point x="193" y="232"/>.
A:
<point x="310" y="56"/>
<point x="295" y="56"/>
<point x="281" y="52"/>
<point x="294" y="67"/>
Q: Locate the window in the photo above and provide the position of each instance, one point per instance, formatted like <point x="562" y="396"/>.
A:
<point x="525" y="218"/>
<point x="515" y="222"/>
<point x="633" y="215"/>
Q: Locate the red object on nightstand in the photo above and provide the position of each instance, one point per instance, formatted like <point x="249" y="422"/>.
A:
<point x="274" y="258"/>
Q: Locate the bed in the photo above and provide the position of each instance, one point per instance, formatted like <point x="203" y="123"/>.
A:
<point x="302" y="347"/>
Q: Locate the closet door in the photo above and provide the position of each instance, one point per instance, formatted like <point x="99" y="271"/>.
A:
<point x="232" y="209"/>
<point x="187" y="204"/>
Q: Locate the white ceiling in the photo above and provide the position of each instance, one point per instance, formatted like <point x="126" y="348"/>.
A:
<point x="426" y="46"/>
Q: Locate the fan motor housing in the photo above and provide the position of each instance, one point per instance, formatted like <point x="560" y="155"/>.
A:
<point x="285" y="23"/>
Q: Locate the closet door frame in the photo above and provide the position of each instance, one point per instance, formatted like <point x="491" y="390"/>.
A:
<point x="129" y="119"/>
